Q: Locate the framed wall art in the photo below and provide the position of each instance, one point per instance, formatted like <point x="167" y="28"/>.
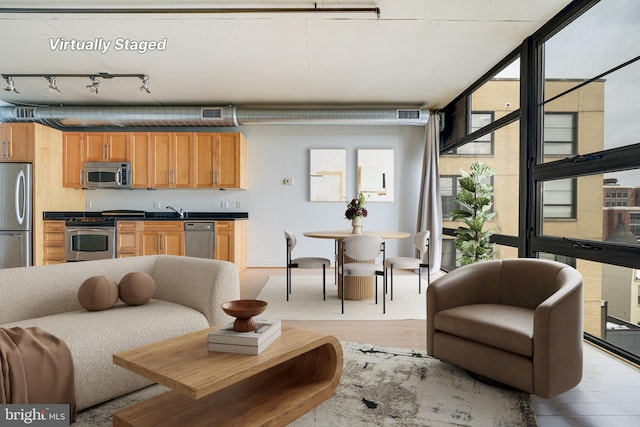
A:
<point x="327" y="175"/>
<point x="376" y="174"/>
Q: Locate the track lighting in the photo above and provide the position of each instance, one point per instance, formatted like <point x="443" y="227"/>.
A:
<point x="52" y="83"/>
<point x="10" y="85"/>
<point x="145" y="84"/>
<point x="95" y="84"/>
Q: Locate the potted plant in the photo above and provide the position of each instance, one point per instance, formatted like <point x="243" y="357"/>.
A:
<point x="355" y="212"/>
<point x="475" y="200"/>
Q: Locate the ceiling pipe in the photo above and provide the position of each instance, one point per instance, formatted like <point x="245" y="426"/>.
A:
<point x="200" y="116"/>
<point x="182" y="11"/>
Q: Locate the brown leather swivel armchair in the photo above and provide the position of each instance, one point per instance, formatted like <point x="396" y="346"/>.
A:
<point x="514" y="321"/>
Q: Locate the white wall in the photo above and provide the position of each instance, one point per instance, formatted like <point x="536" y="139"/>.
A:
<point x="278" y="152"/>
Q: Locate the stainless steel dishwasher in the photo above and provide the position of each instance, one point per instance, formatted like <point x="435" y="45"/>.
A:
<point x="199" y="239"/>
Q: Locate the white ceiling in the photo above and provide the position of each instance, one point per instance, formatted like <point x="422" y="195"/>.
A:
<point x="417" y="53"/>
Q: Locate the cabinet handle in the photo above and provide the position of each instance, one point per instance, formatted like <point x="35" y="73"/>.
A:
<point x="105" y="152"/>
<point x="215" y="174"/>
<point x="9" y="149"/>
<point x="81" y="176"/>
<point x="5" y="149"/>
<point x="158" y="244"/>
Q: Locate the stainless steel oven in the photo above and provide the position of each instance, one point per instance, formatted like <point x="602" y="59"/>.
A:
<point x="90" y="238"/>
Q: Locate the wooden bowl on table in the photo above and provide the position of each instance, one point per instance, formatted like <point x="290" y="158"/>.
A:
<point x="244" y="310"/>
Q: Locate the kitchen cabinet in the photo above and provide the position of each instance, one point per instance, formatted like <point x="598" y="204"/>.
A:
<point x="140" y="158"/>
<point x="220" y="160"/>
<point x="128" y="238"/>
<point x="80" y="147"/>
<point x="231" y="242"/>
<point x="73" y="159"/>
<point x="106" y="146"/>
<point x="172" y="160"/>
<point x="53" y="242"/>
<point x="17" y="142"/>
<point x="162" y="237"/>
<point x="161" y="159"/>
<point x="135" y="238"/>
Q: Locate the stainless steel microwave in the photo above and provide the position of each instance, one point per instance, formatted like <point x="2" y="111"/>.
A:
<point x="107" y="174"/>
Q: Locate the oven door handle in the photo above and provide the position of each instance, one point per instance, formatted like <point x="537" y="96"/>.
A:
<point x="87" y="230"/>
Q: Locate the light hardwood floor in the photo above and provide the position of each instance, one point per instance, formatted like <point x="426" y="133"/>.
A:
<point x="606" y="397"/>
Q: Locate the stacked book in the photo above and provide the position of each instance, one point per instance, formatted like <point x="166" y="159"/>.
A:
<point x="227" y="340"/>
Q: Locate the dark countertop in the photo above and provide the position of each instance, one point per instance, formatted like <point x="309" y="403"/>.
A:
<point x="225" y="216"/>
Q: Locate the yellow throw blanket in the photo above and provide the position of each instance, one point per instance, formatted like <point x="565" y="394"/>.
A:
<point x="36" y="368"/>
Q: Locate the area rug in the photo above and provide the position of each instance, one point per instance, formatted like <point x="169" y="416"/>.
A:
<point x="387" y="386"/>
<point x="306" y="303"/>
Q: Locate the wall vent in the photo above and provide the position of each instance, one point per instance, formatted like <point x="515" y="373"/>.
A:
<point x="25" y="113"/>
<point x="211" y="113"/>
<point x="408" y="114"/>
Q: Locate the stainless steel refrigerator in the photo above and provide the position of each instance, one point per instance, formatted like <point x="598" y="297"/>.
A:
<point x="15" y="215"/>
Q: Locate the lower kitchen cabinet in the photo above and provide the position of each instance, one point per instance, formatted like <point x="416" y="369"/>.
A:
<point x="128" y="238"/>
<point x="162" y="237"/>
<point x="53" y="242"/>
<point x="231" y="242"/>
<point x="135" y="238"/>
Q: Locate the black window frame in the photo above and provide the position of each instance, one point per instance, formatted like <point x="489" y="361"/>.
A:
<point x="532" y="168"/>
<point x="491" y="141"/>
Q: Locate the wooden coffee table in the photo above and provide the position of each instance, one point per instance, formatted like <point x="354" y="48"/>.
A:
<point x="297" y="372"/>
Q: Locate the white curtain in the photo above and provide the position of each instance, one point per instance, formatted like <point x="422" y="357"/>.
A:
<point x="430" y="202"/>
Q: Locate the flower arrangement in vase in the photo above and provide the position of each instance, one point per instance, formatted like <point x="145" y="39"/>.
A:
<point x="355" y="212"/>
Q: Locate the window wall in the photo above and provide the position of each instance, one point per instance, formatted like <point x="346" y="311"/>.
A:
<point x="564" y="141"/>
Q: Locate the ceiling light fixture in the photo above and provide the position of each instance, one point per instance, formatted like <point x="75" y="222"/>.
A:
<point x="93" y="87"/>
<point x="10" y="85"/>
<point x="145" y="84"/>
<point x="52" y="83"/>
<point x="95" y="84"/>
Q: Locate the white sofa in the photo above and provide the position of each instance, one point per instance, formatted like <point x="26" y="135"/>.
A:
<point x="187" y="298"/>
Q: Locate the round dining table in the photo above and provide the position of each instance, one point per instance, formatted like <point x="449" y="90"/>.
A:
<point x="355" y="288"/>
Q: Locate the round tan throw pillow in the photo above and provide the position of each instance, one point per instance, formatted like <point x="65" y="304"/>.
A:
<point x="98" y="293"/>
<point x="136" y="288"/>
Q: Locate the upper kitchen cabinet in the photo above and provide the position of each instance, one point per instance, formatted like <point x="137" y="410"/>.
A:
<point x="73" y="159"/>
<point x="106" y="146"/>
<point x="161" y="159"/>
<point x="221" y="160"/>
<point x="140" y="158"/>
<point x="80" y="147"/>
<point x="172" y="160"/>
<point x="17" y="142"/>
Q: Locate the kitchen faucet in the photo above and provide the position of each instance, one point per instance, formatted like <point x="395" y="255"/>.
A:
<point x="179" y="210"/>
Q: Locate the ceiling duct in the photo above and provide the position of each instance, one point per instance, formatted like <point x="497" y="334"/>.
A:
<point x="140" y="116"/>
<point x="328" y="116"/>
